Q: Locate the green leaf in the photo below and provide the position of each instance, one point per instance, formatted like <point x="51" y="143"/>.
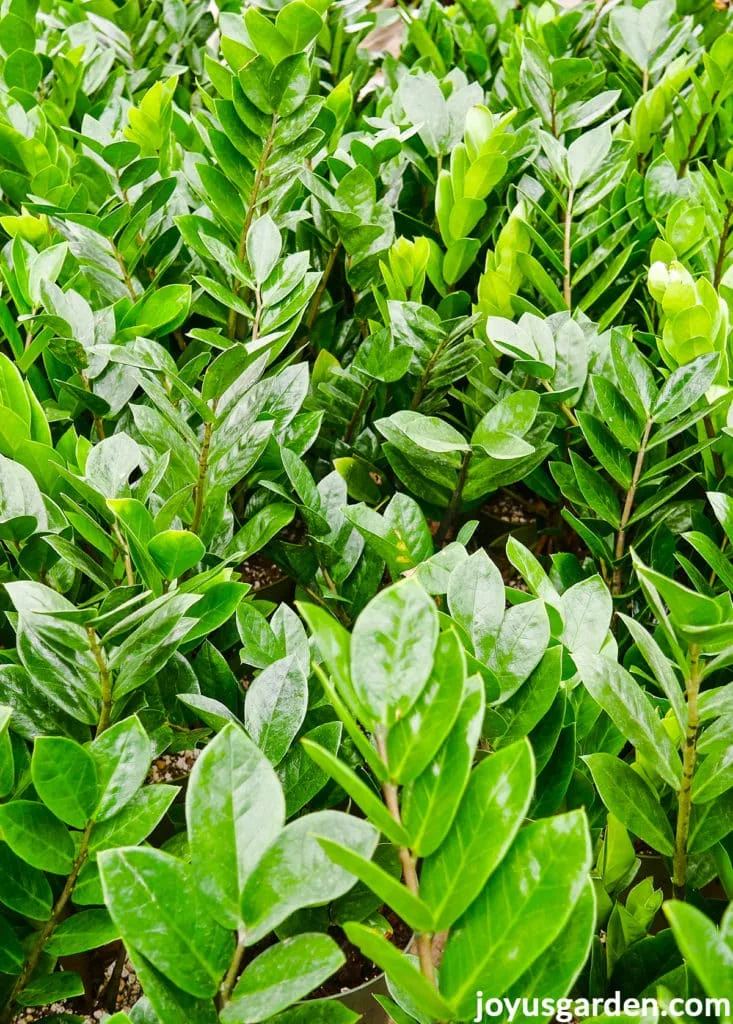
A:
<point x="713" y="776"/>
<point x="22" y="70"/>
<point x="492" y="809"/>
<point x="147" y="649"/>
<point x="400" y="970"/>
<point x="409" y="907"/>
<point x="299" y="24"/>
<point x="630" y="799"/>
<point x="430" y="802"/>
<point x="153" y="900"/>
<point x="705" y="948"/>
<point x="65" y="777"/>
<point x="414" y="740"/>
<point x="25" y="889"/>
<point x="609" y="453"/>
<point x="520" y="644"/>
<point x="122" y="755"/>
<point x="35" y="834"/>
<point x="684" y="387"/>
<point x="81" y="932"/>
<point x="263" y="247"/>
<point x="553" y="974"/>
<point x="661" y="667"/>
<point x="476" y="600"/>
<point x="504" y="931"/>
<point x="299" y="774"/>
<point x="362" y="794"/>
<point x="632" y="713"/>
<point x="392" y="647"/>
<point x="295" y="872"/>
<point x="597" y="492"/>
<point x="275" y="707"/>
<point x="281" y="975"/>
<point x="175" y="551"/>
<point x="12" y="956"/>
<point x="52" y="988"/>
<point x="135" y="821"/>
<point x="235" y="809"/>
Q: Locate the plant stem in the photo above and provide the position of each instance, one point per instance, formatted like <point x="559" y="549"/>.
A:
<point x="628" y="509"/>
<point x="254" y="195"/>
<point x="718" y="466"/>
<point x="564" y="407"/>
<point x="722" y="247"/>
<point x="200" y="486"/>
<point x="125" y="552"/>
<point x="48" y="929"/>
<point x="426" y="374"/>
<point x="409" y="868"/>
<point x="455" y="502"/>
<point x="567" y="250"/>
<point x="358" y="410"/>
<point x="232" y="973"/>
<point x="696" y="135"/>
<point x="318" y="294"/>
<point x="689" y="758"/>
<point x="105" y="680"/>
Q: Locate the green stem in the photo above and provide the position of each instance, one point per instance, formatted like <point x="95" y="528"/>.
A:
<point x="628" y="509"/>
<point x="689" y="759"/>
<point x="318" y="294"/>
<point x="696" y="135"/>
<point x="358" y="410"/>
<point x="232" y="973"/>
<point x="48" y="929"/>
<point x="408" y="860"/>
<point x="455" y="502"/>
<point x="722" y="247"/>
<point x="200" y="486"/>
<point x="105" y="681"/>
<point x="125" y="552"/>
<point x="568" y="250"/>
<point x="254" y="195"/>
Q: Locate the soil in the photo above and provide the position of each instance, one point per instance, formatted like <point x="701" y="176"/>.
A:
<point x="172" y="768"/>
<point x="128" y="993"/>
<point x="358" y="971"/>
<point x="260" y="571"/>
<point x="101" y="964"/>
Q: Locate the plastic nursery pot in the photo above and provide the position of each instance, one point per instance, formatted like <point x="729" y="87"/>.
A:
<point x="361" y="1000"/>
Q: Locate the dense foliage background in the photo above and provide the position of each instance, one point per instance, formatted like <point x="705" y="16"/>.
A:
<point x="365" y="507"/>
